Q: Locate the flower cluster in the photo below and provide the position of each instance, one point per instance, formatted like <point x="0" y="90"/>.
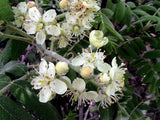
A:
<point x="51" y="80"/>
<point x="110" y="79"/>
<point x="44" y="24"/>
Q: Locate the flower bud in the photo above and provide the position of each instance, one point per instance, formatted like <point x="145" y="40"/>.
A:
<point x="62" y="68"/>
<point x="31" y="4"/>
<point x="63" y="4"/>
<point x="86" y="72"/>
<point x="96" y="39"/>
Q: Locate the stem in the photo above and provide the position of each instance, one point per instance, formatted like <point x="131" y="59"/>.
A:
<point x="71" y="48"/>
<point x="16" y="37"/>
<point x="16" y="30"/>
<point x="56" y="56"/>
<point x="61" y="16"/>
<point x="3" y="90"/>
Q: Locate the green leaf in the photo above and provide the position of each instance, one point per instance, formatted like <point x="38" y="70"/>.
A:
<point x="108" y="114"/>
<point x="111" y="5"/>
<point x="157" y="27"/>
<point x="131" y="5"/>
<point x="140" y="12"/>
<point x="122" y="113"/>
<point x="144" y="69"/>
<point x="4" y="80"/>
<point x="12" y="51"/>
<point x="105" y="20"/>
<point x="140" y="43"/>
<point x="11" y="110"/>
<point x="120" y="11"/>
<point x="130" y="51"/>
<point x="109" y="13"/>
<point x="152" y="54"/>
<point x="149" y="77"/>
<point x="147" y="18"/>
<point x="148" y="9"/>
<point x="14" y="68"/>
<point x="157" y="67"/>
<point x="6" y="13"/>
<point x="23" y="93"/>
<point x="128" y="16"/>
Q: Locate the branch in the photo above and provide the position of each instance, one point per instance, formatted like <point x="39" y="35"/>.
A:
<point x="16" y="37"/>
<point x="3" y="90"/>
<point x="16" y="30"/>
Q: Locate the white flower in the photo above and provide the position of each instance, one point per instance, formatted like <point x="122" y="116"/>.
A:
<point x="47" y="82"/>
<point x="117" y="73"/>
<point x="41" y="24"/>
<point x="104" y="78"/>
<point x="63" y="34"/>
<point x="92" y="60"/>
<point x="20" y="13"/>
<point x="96" y="39"/>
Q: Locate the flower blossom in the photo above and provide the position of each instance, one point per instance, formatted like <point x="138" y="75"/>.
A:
<point x="93" y="60"/>
<point x="20" y="13"/>
<point x="47" y="82"/>
<point x="41" y="24"/>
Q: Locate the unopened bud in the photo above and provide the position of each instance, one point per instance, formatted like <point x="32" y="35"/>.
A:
<point x="62" y="68"/>
<point x="86" y="72"/>
<point x="63" y="4"/>
<point x="96" y="39"/>
<point x="31" y="4"/>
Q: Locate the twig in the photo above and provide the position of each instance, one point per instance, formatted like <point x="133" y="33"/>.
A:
<point x="16" y="30"/>
<point x="81" y="112"/>
<point x="16" y="37"/>
<point x="86" y="114"/>
<point x="3" y="90"/>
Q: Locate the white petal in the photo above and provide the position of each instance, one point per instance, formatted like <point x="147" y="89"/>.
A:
<point x="30" y="28"/>
<point x="40" y="37"/>
<point x="79" y="84"/>
<point x="53" y="30"/>
<point x="91" y="95"/>
<point x="34" y="14"/>
<point x="110" y="90"/>
<point x="66" y="79"/>
<point x="45" y="94"/>
<point x="77" y="61"/>
<point x="49" y="16"/>
<point x="70" y="18"/>
<point x="114" y="63"/>
<point x="103" y="67"/>
<point x="36" y="82"/>
<point x="43" y="67"/>
<point x="51" y="70"/>
<point x="58" y="86"/>
<point x="22" y="6"/>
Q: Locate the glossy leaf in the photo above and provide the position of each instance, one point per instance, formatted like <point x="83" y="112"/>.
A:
<point x="6" y="13"/>
<point x="23" y="93"/>
<point x="11" y="110"/>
